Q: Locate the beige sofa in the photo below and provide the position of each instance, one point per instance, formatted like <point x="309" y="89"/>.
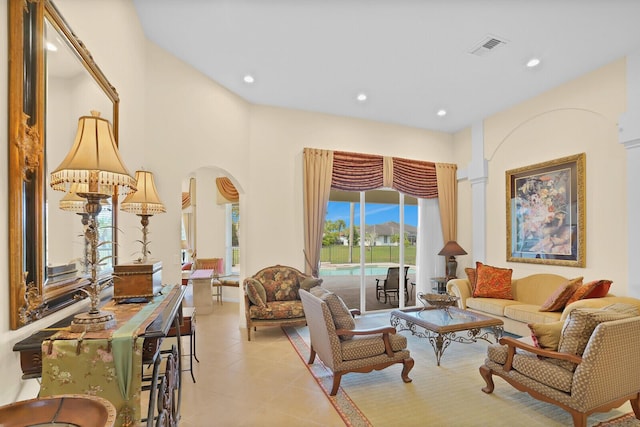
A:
<point x="529" y="293"/>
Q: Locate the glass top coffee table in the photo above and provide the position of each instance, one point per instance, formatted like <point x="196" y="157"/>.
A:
<point x="442" y="326"/>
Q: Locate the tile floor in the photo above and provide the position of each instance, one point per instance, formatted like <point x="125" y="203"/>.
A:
<point x="258" y="383"/>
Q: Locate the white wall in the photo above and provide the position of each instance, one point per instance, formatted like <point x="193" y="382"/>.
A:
<point x="580" y="116"/>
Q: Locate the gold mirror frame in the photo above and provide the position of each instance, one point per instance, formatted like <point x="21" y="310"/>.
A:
<point x="30" y="299"/>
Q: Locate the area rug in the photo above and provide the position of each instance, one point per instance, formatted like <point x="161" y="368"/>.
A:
<point x="349" y="412"/>
<point x="627" y="420"/>
<point x="446" y="395"/>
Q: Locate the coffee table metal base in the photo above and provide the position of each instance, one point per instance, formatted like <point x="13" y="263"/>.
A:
<point x="441" y="340"/>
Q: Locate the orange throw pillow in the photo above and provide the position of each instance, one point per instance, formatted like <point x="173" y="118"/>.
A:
<point x="559" y="298"/>
<point x="585" y="290"/>
<point x="601" y="290"/>
<point x="471" y="275"/>
<point x="492" y="282"/>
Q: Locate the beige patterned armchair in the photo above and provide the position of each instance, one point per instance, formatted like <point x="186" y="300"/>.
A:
<point x="596" y="366"/>
<point x="342" y="347"/>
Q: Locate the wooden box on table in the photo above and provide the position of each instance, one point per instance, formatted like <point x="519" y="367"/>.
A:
<point x="136" y="280"/>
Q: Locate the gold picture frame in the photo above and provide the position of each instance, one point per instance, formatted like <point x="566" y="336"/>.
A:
<point x="546" y="212"/>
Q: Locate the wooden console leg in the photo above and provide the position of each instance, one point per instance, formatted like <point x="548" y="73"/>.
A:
<point x="488" y="378"/>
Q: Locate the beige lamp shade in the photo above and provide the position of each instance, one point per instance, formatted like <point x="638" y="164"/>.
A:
<point x="71" y="202"/>
<point x="145" y="201"/>
<point x="94" y="161"/>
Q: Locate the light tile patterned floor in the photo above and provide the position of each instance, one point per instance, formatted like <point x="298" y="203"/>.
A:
<point x="257" y="383"/>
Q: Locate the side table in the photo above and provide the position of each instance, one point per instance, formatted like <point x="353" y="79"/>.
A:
<point x="440" y="284"/>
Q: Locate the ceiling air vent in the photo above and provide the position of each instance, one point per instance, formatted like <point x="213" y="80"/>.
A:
<point x="487" y="45"/>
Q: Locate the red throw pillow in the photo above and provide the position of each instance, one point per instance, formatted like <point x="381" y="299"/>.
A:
<point x="559" y="298"/>
<point x="492" y="282"/>
<point x="585" y="290"/>
<point x="601" y="290"/>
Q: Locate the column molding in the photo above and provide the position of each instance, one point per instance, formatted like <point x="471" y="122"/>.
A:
<point x="629" y="137"/>
<point x="478" y="174"/>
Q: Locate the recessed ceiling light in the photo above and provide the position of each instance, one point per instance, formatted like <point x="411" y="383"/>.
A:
<point x="533" y="62"/>
<point x="441" y="113"/>
<point x="248" y="79"/>
<point x="361" y="97"/>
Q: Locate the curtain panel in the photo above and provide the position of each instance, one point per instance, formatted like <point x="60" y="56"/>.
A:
<point x="448" y="200"/>
<point x="317" y="170"/>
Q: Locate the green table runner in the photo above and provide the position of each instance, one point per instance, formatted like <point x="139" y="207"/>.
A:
<point x="103" y="363"/>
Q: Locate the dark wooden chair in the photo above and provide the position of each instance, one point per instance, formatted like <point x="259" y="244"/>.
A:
<point x="390" y="285"/>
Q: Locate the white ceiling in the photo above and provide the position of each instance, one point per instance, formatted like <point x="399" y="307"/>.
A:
<point x="410" y="57"/>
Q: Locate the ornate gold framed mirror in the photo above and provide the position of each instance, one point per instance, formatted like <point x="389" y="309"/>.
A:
<point x="53" y="80"/>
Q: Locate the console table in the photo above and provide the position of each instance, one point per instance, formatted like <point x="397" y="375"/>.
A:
<point x="69" y="359"/>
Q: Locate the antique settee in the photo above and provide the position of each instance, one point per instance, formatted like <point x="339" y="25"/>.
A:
<point x="271" y="297"/>
<point x="528" y="296"/>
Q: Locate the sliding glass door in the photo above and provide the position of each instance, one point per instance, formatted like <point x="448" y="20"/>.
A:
<point x="369" y="249"/>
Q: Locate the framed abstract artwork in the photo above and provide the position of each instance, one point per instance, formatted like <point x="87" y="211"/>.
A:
<point x="546" y="212"/>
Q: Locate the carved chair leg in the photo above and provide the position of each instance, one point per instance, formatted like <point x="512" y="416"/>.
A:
<point x="407" y="365"/>
<point x="312" y="356"/>
<point x="336" y="384"/>
<point x="488" y="378"/>
<point x="248" y="333"/>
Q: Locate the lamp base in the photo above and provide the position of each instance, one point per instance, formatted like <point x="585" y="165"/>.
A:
<point x="93" y="322"/>
<point x="452" y="266"/>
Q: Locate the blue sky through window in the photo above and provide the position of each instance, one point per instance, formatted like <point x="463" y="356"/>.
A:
<point x="374" y="213"/>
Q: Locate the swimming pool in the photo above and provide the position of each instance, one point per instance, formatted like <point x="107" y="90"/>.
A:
<point x="369" y="270"/>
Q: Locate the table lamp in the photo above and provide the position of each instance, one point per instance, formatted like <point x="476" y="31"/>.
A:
<point x="95" y="166"/>
<point x="451" y="249"/>
<point x="145" y="203"/>
<point x="71" y="202"/>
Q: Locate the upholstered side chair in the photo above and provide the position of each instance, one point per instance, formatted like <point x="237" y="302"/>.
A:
<point x="342" y="347"/>
<point x="595" y="369"/>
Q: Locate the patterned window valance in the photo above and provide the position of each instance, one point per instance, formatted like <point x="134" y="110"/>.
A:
<point x="415" y="178"/>
<point x="356" y="171"/>
<point x="186" y="199"/>
<point x="362" y="172"/>
<point x="227" y="189"/>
